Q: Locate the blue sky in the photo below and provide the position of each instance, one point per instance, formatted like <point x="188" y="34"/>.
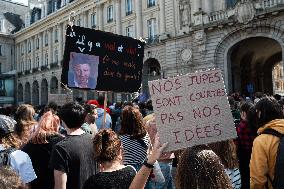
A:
<point x="21" y="1"/>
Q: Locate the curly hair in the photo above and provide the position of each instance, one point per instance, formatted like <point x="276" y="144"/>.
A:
<point x="11" y="140"/>
<point x="106" y="145"/>
<point x="9" y="179"/>
<point x="226" y="150"/>
<point x="199" y="167"/>
<point x="132" y="123"/>
<point x="48" y="126"/>
<point x="24" y="118"/>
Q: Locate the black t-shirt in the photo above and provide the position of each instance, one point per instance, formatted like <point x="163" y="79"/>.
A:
<point x="40" y="156"/>
<point x="120" y="179"/>
<point x="74" y="156"/>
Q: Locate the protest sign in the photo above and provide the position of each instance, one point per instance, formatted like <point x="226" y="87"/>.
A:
<point x="60" y="99"/>
<point x="192" y="109"/>
<point x="102" y="61"/>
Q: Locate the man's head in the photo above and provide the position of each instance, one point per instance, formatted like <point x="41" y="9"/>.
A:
<point x="72" y="114"/>
<point x="91" y="113"/>
<point x="82" y="73"/>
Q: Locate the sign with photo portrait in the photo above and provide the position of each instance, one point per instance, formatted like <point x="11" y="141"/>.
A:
<point x="101" y="61"/>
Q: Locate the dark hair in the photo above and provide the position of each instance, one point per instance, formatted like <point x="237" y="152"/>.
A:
<point x="199" y="167"/>
<point x="52" y="106"/>
<point x="101" y="100"/>
<point x="226" y="150"/>
<point x="107" y="146"/>
<point x="269" y="110"/>
<point x="132" y="123"/>
<point x="149" y="105"/>
<point x="72" y="114"/>
<point x="245" y="106"/>
<point x="89" y="108"/>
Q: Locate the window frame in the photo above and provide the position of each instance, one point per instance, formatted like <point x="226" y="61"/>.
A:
<point x="110" y="13"/>
<point x="94" y="20"/>
<point x="151" y="3"/>
<point x="129" y="9"/>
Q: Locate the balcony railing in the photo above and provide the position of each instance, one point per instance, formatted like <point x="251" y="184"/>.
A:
<point x="219" y="15"/>
<point x="129" y="13"/>
<point x="152" y="39"/>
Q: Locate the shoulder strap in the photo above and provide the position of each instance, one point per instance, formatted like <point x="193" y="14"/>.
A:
<point x="272" y="132"/>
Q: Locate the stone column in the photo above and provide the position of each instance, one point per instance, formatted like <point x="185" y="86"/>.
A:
<point x="196" y="5"/>
<point x="18" y="53"/>
<point x="208" y="6"/>
<point x="84" y="19"/>
<point x="40" y="36"/>
<point x="60" y="43"/>
<point x="139" y="22"/>
<point x="32" y="52"/>
<point x="49" y="46"/>
<point x="45" y="8"/>
<point x="25" y="55"/>
<point x="89" y="15"/>
<point x="101" y="16"/>
<point x="162" y="17"/>
<point x="118" y="16"/>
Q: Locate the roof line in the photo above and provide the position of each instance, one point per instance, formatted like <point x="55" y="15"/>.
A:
<point x="21" y="4"/>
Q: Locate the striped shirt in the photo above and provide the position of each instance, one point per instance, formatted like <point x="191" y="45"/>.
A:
<point x="235" y="177"/>
<point x="134" y="150"/>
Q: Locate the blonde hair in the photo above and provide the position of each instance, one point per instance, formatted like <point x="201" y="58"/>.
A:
<point x="11" y="140"/>
<point x="24" y="118"/>
<point x="9" y="179"/>
<point x="48" y="125"/>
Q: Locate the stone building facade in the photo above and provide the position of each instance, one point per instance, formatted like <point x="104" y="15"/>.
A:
<point x="242" y="38"/>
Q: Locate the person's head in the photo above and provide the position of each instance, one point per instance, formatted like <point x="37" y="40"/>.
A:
<point x="82" y="73"/>
<point x="52" y="106"/>
<point x="245" y="106"/>
<point x="107" y="146"/>
<point x="149" y="105"/>
<point x="132" y="123"/>
<point x="7" y="137"/>
<point x="48" y="126"/>
<point x="91" y="113"/>
<point x="199" y="167"/>
<point x="267" y="109"/>
<point x="226" y="150"/>
<point x="232" y="103"/>
<point x="24" y="117"/>
<point x="9" y="179"/>
<point x="72" y="114"/>
<point x="101" y="100"/>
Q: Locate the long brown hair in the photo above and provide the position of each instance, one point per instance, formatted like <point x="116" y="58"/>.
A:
<point x="48" y="126"/>
<point x="132" y="123"/>
<point x="11" y="140"/>
<point x="226" y="150"/>
<point x="24" y="118"/>
<point x="107" y="146"/>
<point x="199" y="167"/>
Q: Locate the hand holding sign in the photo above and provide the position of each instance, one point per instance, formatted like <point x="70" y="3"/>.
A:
<point x="192" y="109"/>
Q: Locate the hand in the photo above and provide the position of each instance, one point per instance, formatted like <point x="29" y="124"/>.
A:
<point x="157" y="150"/>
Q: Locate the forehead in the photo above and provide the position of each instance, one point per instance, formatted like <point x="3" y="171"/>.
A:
<point x="85" y="66"/>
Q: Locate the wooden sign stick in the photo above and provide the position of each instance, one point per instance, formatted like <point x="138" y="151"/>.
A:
<point x="105" y="104"/>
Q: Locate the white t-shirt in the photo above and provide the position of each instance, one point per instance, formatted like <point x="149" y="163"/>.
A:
<point x="22" y="165"/>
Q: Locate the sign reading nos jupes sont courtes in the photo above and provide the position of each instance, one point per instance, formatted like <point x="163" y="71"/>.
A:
<point x="192" y="109"/>
<point x="101" y="61"/>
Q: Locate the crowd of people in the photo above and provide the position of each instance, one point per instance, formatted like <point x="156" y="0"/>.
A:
<point x="86" y="146"/>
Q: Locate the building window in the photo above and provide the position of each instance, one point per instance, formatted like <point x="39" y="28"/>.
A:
<point x="1" y="50"/>
<point x="56" y="35"/>
<point x="29" y="64"/>
<point x="46" y="59"/>
<point x="56" y="56"/>
<point x="1" y="28"/>
<point x="110" y="13"/>
<point x="151" y="3"/>
<point x="94" y="20"/>
<point x="129" y="31"/>
<point x="0" y="67"/>
<point x="46" y="39"/>
<point x="29" y="46"/>
<point x="37" y="62"/>
<point x="128" y="7"/>
<point x="22" y="49"/>
<point x="37" y="43"/>
<point x="151" y="28"/>
<point x="79" y="22"/>
<point x="231" y="3"/>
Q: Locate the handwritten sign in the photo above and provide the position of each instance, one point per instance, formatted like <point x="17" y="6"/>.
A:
<point x="192" y="109"/>
<point x="102" y="61"/>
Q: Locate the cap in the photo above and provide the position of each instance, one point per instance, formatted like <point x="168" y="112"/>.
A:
<point x="6" y="125"/>
<point x="94" y="102"/>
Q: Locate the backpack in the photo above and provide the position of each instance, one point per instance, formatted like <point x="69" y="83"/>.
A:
<point x="5" y="159"/>
<point x="278" y="182"/>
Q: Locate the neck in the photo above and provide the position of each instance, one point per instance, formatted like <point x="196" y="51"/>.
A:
<point x="111" y="166"/>
<point x="74" y="131"/>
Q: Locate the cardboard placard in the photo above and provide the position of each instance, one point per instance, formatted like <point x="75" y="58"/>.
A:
<point x="192" y="109"/>
<point x="101" y="61"/>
